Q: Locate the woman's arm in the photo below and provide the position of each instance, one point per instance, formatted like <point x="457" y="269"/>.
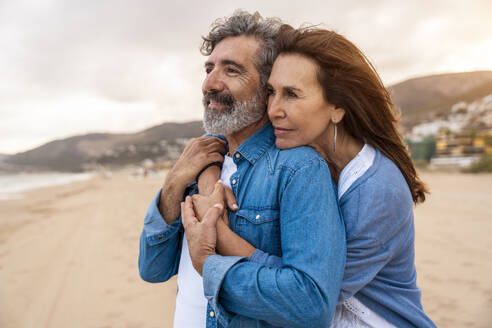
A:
<point x="231" y="244"/>
<point x="228" y="242"/>
<point x="303" y="292"/>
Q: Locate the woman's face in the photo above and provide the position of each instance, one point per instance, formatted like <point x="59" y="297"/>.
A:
<point x="296" y="106"/>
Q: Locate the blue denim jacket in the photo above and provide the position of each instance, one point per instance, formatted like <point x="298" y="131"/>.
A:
<point x="288" y="208"/>
<point x="380" y="269"/>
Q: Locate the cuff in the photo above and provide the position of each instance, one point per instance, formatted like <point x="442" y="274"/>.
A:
<point x="266" y="259"/>
<point x="214" y="271"/>
<point x="155" y="227"/>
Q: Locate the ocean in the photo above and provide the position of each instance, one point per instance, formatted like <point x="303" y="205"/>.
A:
<point x="13" y="185"/>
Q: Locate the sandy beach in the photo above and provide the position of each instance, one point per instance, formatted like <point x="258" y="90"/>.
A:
<point x="68" y="254"/>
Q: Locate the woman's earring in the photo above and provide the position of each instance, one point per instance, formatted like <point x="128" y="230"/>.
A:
<point x="335" y="140"/>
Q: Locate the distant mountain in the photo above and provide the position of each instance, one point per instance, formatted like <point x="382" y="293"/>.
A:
<point x="426" y="98"/>
<point x="162" y="142"/>
<point x="3" y="157"/>
<point x="421" y="100"/>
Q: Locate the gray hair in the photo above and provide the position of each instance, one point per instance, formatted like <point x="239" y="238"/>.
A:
<point x="265" y="30"/>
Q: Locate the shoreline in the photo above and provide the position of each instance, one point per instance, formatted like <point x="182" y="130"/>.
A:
<point x="15" y="185"/>
<point x="68" y="254"/>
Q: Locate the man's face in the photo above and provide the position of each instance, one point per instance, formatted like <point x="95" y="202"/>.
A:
<point x="232" y="96"/>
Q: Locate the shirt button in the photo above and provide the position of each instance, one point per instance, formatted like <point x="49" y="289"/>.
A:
<point x="238" y="155"/>
<point x="258" y="217"/>
<point x="211" y="314"/>
<point x="234" y="181"/>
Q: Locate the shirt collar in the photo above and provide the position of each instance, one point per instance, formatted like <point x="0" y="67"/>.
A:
<point x="254" y="147"/>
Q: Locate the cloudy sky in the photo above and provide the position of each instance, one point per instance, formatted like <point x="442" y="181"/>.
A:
<point x="71" y="67"/>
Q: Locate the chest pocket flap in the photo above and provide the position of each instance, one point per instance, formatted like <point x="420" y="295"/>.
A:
<point x="257" y="216"/>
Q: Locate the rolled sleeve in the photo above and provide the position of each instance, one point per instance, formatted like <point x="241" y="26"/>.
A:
<point x="155" y="227"/>
<point x="261" y="257"/>
<point x="215" y="269"/>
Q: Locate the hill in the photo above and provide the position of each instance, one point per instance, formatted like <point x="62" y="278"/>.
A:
<point x="426" y="98"/>
<point x="161" y="142"/>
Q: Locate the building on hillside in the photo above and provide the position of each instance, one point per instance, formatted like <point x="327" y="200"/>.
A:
<point x="461" y="149"/>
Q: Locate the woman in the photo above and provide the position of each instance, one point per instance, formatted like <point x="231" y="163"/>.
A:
<point x="323" y="92"/>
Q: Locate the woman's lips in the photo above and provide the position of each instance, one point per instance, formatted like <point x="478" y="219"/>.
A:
<point x="280" y="131"/>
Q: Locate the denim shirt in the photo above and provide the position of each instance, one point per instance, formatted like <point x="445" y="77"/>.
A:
<point x="380" y="270"/>
<point x="288" y="208"/>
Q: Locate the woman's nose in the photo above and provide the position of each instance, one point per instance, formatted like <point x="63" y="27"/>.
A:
<point x="275" y="108"/>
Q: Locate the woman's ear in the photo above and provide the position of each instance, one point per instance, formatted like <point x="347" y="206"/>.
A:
<point x="337" y="115"/>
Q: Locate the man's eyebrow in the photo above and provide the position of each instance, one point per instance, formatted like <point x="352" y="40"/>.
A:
<point x="233" y="63"/>
<point x="224" y="62"/>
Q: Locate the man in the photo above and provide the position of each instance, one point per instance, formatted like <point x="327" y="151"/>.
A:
<point x="286" y="204"/>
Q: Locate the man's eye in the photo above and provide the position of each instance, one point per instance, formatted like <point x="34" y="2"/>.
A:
<point x="208" y="70"/>
<point x="270" y="92"/>
<point x="232" y="71"/>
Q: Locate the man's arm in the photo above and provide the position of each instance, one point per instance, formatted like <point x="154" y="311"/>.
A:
<point x="160" y="241"/>
<point x="160" y="245"/>
<point x="197" y="154"/>
<point x="304" y="291"/>
<point x="207" y="180"/>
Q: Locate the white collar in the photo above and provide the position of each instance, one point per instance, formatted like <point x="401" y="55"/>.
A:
<point x="355" y="168"/>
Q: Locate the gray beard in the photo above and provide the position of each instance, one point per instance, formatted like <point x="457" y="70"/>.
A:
<point x="236" y="117"/>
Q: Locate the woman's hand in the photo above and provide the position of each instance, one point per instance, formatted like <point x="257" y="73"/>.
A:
<point x="228" y="242"/>
<point x="219" y="195"/>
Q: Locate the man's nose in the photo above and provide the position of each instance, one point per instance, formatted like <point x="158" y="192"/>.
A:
<point x="213" y="82"/>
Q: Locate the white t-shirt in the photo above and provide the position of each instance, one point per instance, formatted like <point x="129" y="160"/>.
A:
<point x="191" y="304"/>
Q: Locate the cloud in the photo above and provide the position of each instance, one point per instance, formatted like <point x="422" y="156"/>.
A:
<point x="72" y="60"/>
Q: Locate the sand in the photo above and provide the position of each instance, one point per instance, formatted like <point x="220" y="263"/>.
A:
<point x="454" y="249"/>
<point x="68" y="255"/>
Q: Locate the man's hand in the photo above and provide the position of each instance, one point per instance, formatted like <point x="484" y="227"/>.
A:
<point x="201" y="235"/>
<point x="197" y="154"/>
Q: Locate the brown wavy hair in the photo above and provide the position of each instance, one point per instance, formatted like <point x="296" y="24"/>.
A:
<point x="349" y="81"/>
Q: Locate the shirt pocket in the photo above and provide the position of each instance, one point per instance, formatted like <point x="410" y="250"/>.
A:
<point x="261" y="228"/>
